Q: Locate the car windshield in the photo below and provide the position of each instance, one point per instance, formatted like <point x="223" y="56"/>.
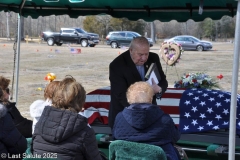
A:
<point x="195" y="39"/>
<point x="136" y="34"/>
<point x="79" y="30"/>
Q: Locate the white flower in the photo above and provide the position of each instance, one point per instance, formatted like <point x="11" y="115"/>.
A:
<point x="199" y="81"/>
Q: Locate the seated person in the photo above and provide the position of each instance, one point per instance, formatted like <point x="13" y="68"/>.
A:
<point x="62" y="130"/>
<point x="37" y="107"/>
<point x="23" y="124"/>
<point x="12" y="142"/>
<point x="146" y="123"/>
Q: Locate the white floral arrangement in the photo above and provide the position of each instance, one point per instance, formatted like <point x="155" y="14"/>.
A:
<point x="197" y="80"/>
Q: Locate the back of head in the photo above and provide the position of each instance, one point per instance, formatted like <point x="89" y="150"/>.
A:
<point x="49" y="90"/>
<point x="3" y="109"/>
<point x="69" y="95"/>
<point x="4" y="82"/>
<point x="138" y="41"/>
<point x="140" y="92"/>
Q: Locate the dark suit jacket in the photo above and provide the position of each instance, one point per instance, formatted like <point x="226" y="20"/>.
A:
<point x="123" y="73"/>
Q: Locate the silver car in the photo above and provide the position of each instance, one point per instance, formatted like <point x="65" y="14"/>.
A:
<point x="191" y="43"/>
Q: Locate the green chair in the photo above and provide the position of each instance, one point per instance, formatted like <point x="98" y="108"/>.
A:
<point x="125" y="150"/>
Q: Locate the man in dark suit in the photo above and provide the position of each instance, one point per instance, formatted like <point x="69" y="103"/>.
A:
<point x="128" y="68"/>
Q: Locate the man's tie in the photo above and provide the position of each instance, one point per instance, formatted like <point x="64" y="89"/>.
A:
<point x="141" y="71"/>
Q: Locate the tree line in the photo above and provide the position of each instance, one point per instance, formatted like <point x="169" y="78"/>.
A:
<point x="103" y="24"/>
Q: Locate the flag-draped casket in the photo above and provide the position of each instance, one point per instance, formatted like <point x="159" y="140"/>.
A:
<point x="193" y="110"/>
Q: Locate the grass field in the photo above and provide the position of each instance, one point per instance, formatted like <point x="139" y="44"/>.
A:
<point x="90" y="67"/>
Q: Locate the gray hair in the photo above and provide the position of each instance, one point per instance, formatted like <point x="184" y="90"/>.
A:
<point x="140" y="92"/>
<point x="138" y="41"/>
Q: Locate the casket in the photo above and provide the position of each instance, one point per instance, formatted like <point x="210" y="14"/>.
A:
<point x="206" y="110"/>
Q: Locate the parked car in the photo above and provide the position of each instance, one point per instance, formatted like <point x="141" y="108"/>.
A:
<point x="191" y="43"/>
<point x="123" y="38"/>
<point x="71" y="35"/>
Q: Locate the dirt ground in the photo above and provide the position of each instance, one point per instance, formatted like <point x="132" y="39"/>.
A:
<point x="90" y="67"/>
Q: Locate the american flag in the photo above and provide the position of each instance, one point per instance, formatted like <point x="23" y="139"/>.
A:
<point x="193" y="110"/>
<point x="98" y="102"/>
<point x="73" y="50"/>
<point x="204" y="110"/>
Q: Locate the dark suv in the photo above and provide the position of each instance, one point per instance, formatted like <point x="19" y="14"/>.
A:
<point x="123" y="38"/>
<point x="71" y="35"/>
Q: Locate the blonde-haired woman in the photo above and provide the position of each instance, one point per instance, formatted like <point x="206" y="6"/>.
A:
<point x="61" y="130"/>
<point x="37" y="107"/>
<point x="145" y="122"/>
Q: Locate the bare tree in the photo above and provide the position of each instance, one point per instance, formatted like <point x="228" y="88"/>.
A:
<point x="105" y="23"/>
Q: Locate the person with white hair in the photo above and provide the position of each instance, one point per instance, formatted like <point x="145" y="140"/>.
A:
<point x="145" y="122"/>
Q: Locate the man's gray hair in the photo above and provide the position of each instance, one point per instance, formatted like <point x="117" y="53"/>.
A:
<point x="138" y="41"/>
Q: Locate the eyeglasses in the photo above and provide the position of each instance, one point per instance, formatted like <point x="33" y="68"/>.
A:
<point x="7" y="90"/>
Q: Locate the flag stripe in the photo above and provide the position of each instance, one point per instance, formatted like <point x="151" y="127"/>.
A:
<point x="168" y="102"/>
<point x="171" y="110"/>
<point x="175" y="118"/>
<point x="102" y="91"/>
<point x="98" y="98"/>
<point x="98" y="103"/>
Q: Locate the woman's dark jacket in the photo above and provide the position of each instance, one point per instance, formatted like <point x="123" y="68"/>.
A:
<point x="147" y="123"/>
<point x="24" y="125"/>
<point x="65" y="133"/>
<point x="12" y="141"/>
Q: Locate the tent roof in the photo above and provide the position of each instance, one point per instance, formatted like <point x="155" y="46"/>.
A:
<point x="149" y="10"/>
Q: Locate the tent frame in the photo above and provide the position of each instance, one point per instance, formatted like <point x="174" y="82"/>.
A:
<point x="233" y="103"/>
<point x="232" y="138"/>
<point x="18" y="51"/>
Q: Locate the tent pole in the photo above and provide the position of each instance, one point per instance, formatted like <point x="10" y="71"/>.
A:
<point x="232" y="125"/>
<point x="18" y="50"/>
<point x="18" y="58"/>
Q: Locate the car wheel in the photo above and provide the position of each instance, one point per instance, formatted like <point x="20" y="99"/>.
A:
<point x="59" y="44"/>
<point x="114" y="45"/>
<point x="200" y="48"/>
<point x="92" y="45"/>
<point x="50" y="41"/>
<point x="84" y="43"/>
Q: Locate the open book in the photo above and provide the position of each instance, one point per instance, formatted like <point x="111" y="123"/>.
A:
<point x="153" y="73"/>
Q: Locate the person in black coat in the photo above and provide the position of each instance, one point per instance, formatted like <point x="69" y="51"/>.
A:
<point x="12" y="143"/>
<point x="128" y="68"/>
<point x="61" y="130"/>
<point x="145" y="122"/>
<point x="24" y="125"/>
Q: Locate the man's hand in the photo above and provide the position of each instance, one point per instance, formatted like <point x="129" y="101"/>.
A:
<point x="155" y="87"/>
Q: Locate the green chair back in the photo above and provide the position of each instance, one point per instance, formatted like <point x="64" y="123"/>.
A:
<point x="125" y="150"/>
